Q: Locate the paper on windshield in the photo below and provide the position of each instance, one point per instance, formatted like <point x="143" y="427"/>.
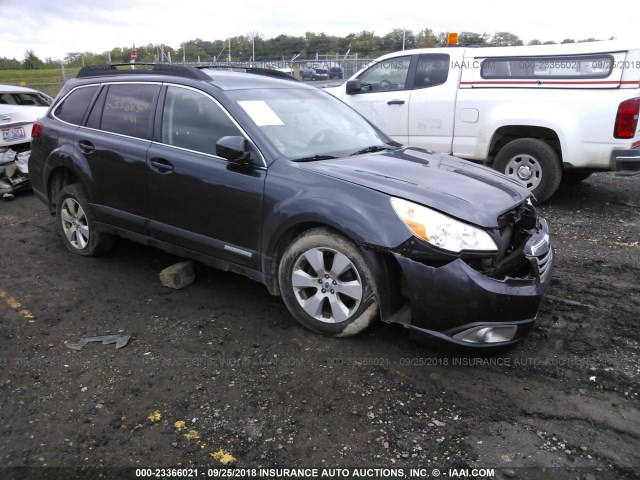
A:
<point x="260" y="113"/>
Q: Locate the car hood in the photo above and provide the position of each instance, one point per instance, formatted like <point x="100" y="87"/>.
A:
<point x="457" y="187"/>
<point x="17" y="115"/>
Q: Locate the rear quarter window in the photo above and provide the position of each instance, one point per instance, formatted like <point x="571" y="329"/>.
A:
<point x="73" y="108"/>
<point x="577" y="66"/>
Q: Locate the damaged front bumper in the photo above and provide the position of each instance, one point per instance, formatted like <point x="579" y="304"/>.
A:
<point x="456" y="304"/>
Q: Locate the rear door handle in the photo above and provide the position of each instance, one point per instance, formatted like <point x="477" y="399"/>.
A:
<point x="86" y="146"/>
<point x="161" y="165"/>
<point x="395" y="102"/>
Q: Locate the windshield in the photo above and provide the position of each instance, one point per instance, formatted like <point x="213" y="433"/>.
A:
<point x="308" y="123"/>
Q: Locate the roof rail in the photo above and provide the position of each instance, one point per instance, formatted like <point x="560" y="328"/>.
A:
<point x="267" y="72"/>
<point x="157" y="68"/>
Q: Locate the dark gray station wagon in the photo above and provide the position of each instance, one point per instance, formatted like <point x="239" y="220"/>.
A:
<point x="262" y="175"/>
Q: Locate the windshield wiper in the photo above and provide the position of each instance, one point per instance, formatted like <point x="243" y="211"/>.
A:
<point x="372" y="149"/>
<point x="314" y="158"/>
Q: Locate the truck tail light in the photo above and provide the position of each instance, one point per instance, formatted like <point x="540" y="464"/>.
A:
<point x="627" y="119"/>
<point x="36" y="130"/>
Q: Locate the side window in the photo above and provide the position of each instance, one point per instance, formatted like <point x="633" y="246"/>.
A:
<point x="194" y="121"/>
<point x="95" y="115"/>
<point x="73" y="108"/>
<point x="432" y="70"/>
<point x="386" y="76"/>
<point x="7" y="99"/>
<point x="578" y="66"/>
<point x="128" y="109"/>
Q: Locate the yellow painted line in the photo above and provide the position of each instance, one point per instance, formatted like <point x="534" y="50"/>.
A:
<point x="614" y="244"/>
<point x="16" y="305"/>
<point x="624" y="244"/>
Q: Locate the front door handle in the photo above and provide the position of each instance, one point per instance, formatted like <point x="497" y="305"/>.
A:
<point x="161" y="165"/>
<point x="395" y="102"/>
<point x="86" y="146"/>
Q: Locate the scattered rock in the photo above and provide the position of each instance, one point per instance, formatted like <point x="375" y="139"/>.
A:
<point x="178" y="276"/>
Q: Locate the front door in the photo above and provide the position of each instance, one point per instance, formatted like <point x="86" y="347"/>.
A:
<point x="196" y="198"/>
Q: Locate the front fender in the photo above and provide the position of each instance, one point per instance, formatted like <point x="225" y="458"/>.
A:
<point x="362" y="214"/>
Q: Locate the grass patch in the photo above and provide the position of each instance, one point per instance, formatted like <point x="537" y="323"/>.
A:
<point x="47" y="80"/>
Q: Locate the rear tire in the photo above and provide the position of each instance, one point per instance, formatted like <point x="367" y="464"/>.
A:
<point x="533" y="163"/>
<point x="76" y="223"/>
<point x="327" y="285"/>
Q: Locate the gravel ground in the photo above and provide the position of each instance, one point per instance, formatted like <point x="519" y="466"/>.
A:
<point x="218" y="375"/>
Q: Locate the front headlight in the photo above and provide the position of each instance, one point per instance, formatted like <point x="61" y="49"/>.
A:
<point x="441" y="230"/>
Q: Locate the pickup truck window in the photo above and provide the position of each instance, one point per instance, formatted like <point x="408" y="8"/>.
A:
<point x="387" y="75"/>
<point x="432" y="70"/>
<point x="578" y="66"/>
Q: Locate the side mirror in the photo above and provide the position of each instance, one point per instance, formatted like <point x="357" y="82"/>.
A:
<point x="234" y="149"/>
<point x="353" y="86"/>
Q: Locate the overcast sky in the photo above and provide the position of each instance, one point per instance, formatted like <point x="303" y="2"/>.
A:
<point x="53" y="28"/>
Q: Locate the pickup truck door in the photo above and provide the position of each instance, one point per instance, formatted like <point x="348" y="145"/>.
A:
<point x="385" y="94"/>
<point x="432" y="103"/>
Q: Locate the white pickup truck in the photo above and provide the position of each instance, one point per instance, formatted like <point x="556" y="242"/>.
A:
<point x="539" y="114"/>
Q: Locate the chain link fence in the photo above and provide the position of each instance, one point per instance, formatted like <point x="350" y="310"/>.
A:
<point x="346" y="66"/>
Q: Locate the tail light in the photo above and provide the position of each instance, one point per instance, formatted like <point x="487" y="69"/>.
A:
<point x="36" y="130"/>
<point x="627" y="119"/>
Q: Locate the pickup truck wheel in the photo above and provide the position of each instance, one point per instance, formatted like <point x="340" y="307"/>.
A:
<point x="327" y="285"/>
<point x="75" y="223"/>
<point x="533" y="163"/>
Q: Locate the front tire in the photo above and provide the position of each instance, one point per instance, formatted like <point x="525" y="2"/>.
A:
<point x="76" y="224"/>
<point x="327" y="285"/>
<point x="533" y="163"/>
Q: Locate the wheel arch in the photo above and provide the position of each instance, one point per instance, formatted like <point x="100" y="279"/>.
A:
<point x="59" y="178"/>
<point x="385" y="269"/>
<point x="503" y="135"/>
<point x="64" y="167"/>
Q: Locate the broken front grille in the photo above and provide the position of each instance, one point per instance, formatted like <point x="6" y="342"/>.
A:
<point x="516" y="228"/>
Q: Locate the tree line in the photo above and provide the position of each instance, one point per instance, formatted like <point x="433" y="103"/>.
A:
<point x="243" y="48"/>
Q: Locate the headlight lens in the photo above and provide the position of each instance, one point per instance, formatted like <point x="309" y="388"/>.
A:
<point x="440" y="230"/>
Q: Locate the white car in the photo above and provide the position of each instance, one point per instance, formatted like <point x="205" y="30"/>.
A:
<point x="20" y="107"/>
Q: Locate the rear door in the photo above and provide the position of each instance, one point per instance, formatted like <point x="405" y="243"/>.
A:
<point x="115" y="143"/>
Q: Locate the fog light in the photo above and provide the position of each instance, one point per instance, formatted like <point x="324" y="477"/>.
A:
<point x="502" y="333"/>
